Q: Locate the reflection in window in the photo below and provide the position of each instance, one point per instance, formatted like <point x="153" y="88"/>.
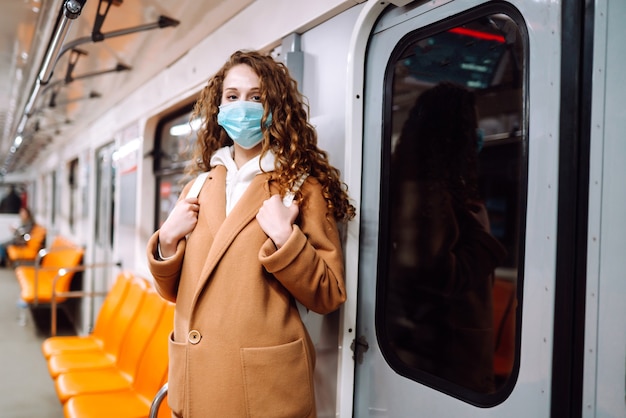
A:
<point x="176" y="135"/>
<point x="176" y="140"/>
<point x="170" y="187"/>
<point x="453" y="195"/>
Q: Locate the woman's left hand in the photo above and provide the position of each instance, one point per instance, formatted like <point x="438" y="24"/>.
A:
<point x="277" y="220"/>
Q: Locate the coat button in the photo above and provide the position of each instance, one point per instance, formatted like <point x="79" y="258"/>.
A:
<point x="194" y="336"/>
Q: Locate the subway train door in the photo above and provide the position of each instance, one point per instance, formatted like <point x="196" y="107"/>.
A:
<point x="457" y="234"/>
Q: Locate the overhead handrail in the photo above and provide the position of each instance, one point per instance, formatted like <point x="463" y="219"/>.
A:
<point x="53" y="101"/>
<point x="156" y="402"/>
<point x="98" y="36"/>
<point x="162" y="22"/>
<point x="70" y="78"/>
<point x="71" y="9"/>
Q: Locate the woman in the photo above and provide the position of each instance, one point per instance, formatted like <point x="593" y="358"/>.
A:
<point x="236" y="259"/>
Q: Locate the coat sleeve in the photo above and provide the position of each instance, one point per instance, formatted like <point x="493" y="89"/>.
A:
<point x="310" y="264"/>
<point x="166" y="273"/>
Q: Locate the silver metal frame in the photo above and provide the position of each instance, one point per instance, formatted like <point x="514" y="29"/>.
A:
<point x="156" y="402"/>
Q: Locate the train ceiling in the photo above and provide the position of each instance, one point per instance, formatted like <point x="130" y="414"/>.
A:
<point x="108" y="50"/>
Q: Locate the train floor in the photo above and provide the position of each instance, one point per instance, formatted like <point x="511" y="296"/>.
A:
<point x="26" y="388"/>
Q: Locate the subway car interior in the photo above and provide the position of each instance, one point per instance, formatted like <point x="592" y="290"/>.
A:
<point x="96" y="137"/>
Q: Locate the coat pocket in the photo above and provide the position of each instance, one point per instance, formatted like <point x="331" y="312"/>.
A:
<point x="176" y="376"/>
<point x="277" y="381"/>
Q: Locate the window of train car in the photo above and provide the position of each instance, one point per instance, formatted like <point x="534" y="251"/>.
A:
<point x="72" y="181"/>
<point x="175" y="137"/>
<point x="453" y="205"/>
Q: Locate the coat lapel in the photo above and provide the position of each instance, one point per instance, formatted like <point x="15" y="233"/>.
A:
<point x="215" y="199"/>
<point x="225" y="229"/>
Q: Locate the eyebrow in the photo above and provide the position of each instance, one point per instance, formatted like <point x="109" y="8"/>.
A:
<point x="254" y="89"/>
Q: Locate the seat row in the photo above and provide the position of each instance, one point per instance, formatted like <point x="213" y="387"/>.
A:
<point x="117" y="370"/>
<point x="47" y="279"/>
<point x="27" y="253"/>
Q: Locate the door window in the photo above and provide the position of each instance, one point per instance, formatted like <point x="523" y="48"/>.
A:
<point x="175" y="138"/>
<point x="453" y="203"/>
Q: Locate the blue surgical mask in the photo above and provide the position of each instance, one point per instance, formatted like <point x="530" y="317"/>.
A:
<point x="242" y="122"/>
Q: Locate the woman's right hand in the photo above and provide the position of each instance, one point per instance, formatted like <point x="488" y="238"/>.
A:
<point x="180" y="222"/>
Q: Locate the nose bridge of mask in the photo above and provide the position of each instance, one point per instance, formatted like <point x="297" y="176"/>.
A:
<point x="240" y="111"/>
<point x="246" y="113"/>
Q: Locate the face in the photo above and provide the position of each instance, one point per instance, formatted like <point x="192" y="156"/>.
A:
<point x="241" y="83"/>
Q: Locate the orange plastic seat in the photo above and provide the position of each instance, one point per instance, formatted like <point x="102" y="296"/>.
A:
<point x="28" y="251"/>
<point x="37" y="281"/>
<point x="122" y="404"/>
<point x="134" y="401"/>
<point x="122" y="374"/>
<point x="107" y="355"/>
<point x="105" y="323"/>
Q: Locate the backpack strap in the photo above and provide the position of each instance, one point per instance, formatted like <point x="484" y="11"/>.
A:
<point x="197" y="185"/>
<point x="287" y="201"/>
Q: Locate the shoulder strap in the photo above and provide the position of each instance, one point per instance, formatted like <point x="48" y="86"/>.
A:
<point x="287" y="201"/>
<point x="197" y="185"/>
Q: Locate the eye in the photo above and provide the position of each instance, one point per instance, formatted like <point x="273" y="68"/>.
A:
<point x="231" y="97"/>
<point x="255" y="98"/>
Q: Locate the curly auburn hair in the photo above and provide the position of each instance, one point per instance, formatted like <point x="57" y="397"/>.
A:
<point x="290" y="136"/>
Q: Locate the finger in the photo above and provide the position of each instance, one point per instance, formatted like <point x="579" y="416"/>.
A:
<point x="294" y="210"/>
<point x="192" y="200"/>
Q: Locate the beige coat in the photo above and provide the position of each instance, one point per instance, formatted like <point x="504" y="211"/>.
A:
<point x="239" y="348"/>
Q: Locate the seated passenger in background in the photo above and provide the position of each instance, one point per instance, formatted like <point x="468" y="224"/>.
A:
<point x="27" y="221"/>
